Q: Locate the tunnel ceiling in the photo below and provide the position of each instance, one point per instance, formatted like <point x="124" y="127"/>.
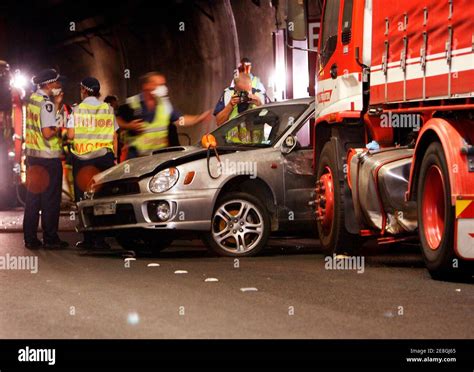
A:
<point x="53" y="17"/>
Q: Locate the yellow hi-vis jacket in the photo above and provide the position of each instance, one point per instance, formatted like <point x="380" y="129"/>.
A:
<point x="93" y="128"/>
<point x="236" y="134"/>
<point x="155" y="134"/>
<point x="36" y="144"/>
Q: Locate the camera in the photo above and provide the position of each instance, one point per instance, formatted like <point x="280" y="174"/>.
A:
<point x="243" y="96"/>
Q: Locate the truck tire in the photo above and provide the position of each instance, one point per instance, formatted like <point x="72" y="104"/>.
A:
<point x="142" y="241"/>
<point x="436" y="215"/>
<point x="240" y="226"/>
<point x="330" y="220"/>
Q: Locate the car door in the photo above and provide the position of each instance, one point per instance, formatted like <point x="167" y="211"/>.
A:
<point x="299" y="179"/>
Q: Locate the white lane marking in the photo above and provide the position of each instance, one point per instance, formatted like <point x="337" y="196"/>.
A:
<point x="153" y="265"/>
<point x="180" y="272"/>
<point x="249" y="289"/>
<point x="133" y="318"/>
<point x="211" y="280"/>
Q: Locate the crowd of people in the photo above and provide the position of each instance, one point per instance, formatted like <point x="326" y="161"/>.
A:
<point x="96" y="134"/>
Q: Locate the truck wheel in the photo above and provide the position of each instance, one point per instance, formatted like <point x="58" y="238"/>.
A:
<point x="143" y="241"/>
<point x="334" y="237"/>
<point x="240" y="226"/>
<point x="436" y="214"/>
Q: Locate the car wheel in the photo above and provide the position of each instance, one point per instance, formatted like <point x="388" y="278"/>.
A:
<point x="143" y="241"/>
<point x="436" y="215"/>
<point x="330" y="220"/>
<point x="240" y="226"/>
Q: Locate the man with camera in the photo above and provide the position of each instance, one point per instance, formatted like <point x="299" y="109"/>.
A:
<point x="237" y="99"/>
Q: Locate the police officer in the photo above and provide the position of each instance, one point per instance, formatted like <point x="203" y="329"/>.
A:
<point x="245" y="66"/>
<point x="231" y="103"/>
<point x="149" y="118"/>
<point x="91" y="128"/>
<point x="44" y="170"/>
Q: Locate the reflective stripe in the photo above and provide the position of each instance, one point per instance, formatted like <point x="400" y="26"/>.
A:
<point x="93" y="136"/>
<point x="33" y="127"/>
<point x="35" y="103"/>
<point x="153" y="130"/>
<point x="50" y="154"/>
<point x="92" y="111"/>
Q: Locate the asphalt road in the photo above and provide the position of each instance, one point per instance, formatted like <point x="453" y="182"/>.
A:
<point x="97" y="296"/>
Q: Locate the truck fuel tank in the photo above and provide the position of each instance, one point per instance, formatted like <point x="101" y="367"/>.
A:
<point x="379" y="182"/>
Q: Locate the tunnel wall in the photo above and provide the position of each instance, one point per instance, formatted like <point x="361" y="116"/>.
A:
<point x="198" y="61"/>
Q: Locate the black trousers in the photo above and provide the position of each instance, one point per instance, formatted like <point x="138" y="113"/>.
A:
<point x="100" y="164"/>
<point x="44" y="189"/>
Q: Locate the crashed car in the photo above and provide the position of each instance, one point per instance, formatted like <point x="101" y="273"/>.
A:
<point x="257" y="179"/>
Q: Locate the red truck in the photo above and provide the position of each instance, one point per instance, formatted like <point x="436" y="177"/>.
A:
<point x="394" y="133"/>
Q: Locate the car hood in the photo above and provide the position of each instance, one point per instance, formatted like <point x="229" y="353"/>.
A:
<point x="142" y="166"/>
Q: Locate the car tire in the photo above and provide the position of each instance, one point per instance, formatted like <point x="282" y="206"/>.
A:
<point x="240" y="226"/>
<point x="333" y="235"/>
<point x="436" y="216"/>
<point x="143" y="241"/>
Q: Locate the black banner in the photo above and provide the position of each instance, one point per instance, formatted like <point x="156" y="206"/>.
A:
<point x="298" y="355"/>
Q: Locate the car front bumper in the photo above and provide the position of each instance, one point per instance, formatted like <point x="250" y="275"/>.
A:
<point x="189" y="211"/>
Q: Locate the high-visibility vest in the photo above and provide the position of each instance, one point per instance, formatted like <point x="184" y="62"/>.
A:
<point x="236" y="134"/>
<point x="94" y="128"/>
<point x="235" y="111"/>
<point x="255" y="82"/>
<point x="36" y="144"/>
<point x="155" y="134"/>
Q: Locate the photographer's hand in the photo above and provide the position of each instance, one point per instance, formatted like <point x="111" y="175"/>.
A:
<point x="234" y="100"/>
<point x="255" y="99"/>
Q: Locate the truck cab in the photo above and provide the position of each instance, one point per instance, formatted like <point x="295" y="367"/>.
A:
<point x="394" y="133"/>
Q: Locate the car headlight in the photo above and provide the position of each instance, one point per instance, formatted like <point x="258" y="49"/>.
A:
<point x="164" y="180"/>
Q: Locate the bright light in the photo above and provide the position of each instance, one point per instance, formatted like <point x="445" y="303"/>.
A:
<point x="300" y="71"/>
<point x="277" y="81"/>
<point x="19" y="81"/>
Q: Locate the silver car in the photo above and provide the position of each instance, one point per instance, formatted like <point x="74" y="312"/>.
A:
<point x="257" y="180"/>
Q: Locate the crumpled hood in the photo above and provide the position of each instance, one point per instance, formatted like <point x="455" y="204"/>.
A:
<point x="140" y="166"/>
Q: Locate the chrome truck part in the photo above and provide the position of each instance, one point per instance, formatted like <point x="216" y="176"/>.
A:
<point x="379" y="182"/>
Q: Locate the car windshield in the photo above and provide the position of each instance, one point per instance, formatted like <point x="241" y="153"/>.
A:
<point x="258" y="128"/>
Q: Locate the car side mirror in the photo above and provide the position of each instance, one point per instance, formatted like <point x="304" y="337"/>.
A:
<point x="289" y="144"/>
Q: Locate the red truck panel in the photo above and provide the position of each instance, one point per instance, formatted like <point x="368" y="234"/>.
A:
<point x="406" y="29"/>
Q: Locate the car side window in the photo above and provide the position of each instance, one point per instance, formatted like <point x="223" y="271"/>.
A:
<point x="256" y="127"/>
<point x="303" y="134"/>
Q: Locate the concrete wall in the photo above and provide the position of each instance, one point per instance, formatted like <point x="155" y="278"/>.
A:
<point x="143" y="36"/>
<point x="255" y="25"/>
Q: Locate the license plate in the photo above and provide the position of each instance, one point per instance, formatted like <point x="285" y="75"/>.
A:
<point x="105" y="209"/>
